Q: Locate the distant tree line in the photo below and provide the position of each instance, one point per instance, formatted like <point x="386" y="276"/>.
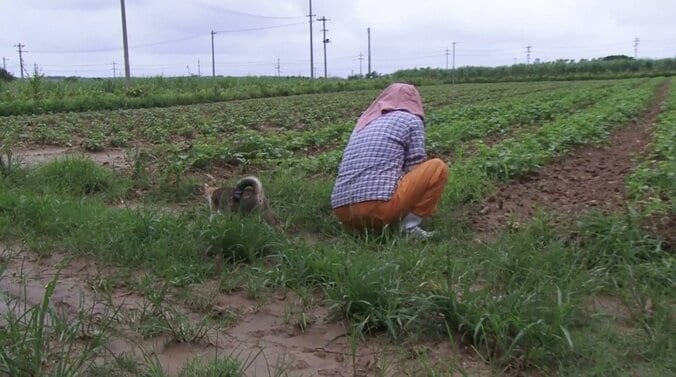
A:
<point x="5" y="76"/>
<point x="614" y="66"/>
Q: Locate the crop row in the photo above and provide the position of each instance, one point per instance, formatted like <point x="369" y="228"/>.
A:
<point x="653" y="183"/>
<point x="447" y="128"/>
<point x="101" y="129"/>
<point x="39" y="95"/>
<point x="517" y="155"/>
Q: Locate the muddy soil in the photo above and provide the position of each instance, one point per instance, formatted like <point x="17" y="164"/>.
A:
<point x="592" y="177"/>
<point x="114" y="158"/>
<point x="265" y="333"/>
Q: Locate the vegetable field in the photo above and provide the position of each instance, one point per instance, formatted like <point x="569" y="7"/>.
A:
<point x="555" y="254"/>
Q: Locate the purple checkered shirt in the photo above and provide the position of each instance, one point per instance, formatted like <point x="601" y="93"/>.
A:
<point x="377" y="157"/>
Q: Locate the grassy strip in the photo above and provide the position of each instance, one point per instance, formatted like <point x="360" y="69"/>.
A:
<point x="39" y="95"/>
<point x="512" y="157"/>
<point x="448" y="129"/>
<point x="653" y="184"/>
<point x="101" y="129"/>
<point x="521" y="302"/>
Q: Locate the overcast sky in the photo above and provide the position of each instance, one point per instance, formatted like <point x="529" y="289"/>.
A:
<point x="169" y="37"/>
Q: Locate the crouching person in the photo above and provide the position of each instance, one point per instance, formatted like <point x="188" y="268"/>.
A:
<point x="384" y="177"/>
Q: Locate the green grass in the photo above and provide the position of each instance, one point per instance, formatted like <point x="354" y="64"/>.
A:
<point x="38" y="340"/>
<point x="522" y="303"/>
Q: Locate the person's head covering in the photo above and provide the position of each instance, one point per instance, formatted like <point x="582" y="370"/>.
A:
<point x="397" y="96"/>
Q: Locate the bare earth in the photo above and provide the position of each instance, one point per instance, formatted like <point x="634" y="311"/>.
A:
<point x="114" y="158"/>
<point x="261" y="331"/>
<point x="589" y="177"/>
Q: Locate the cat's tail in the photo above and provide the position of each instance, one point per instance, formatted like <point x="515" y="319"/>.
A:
<point x="244" y="183"/>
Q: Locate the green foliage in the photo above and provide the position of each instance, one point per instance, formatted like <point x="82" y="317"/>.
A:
<point x="33" y="334"/>
<point x="99" y="94"/>
<point x="6" y="76"/>
<point x="556" y="70"/>
<point x="75" y="176"/>
<point x="526" y="302"/>
<point x="652" y="185"/>
<point x="218" y="367"/>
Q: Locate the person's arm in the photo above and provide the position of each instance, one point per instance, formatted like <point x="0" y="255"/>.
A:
<point x="415" y="151"/>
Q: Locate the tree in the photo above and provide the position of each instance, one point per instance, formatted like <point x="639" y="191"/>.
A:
<point x="617" y="57"/>
<point x="6" y="76"/>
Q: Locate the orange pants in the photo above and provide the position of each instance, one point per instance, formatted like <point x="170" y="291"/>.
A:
<point x="418" y="192"/>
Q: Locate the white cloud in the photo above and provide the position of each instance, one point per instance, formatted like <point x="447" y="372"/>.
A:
<point x="404" y="33"/>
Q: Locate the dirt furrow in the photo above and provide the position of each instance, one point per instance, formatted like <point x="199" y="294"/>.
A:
<point x="266" y="334"/>
<point x="592" y="177"/>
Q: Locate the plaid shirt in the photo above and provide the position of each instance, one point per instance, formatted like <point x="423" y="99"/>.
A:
<point x="377" y="157"/>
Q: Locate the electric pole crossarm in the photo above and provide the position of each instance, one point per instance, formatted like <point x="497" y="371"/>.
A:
<point x="361" y="59"/>
<point x="636" y="40"/>
<point x="125" y="45"/>
<point x="213" y="58"/>
<point x="20" y="46"/>
<point x="312" y="58"/>
<point x="368" y="71"/>
<point x="528" y="54"/>
<point x="324" y="41"/>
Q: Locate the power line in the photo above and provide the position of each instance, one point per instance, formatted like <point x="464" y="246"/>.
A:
<point x="324" y="41"/>
<point x="20" y="46"/>
<point x="258" y="15"/>
<point x="453" y="75"/>
<point x="312" y="57"/>
<point x="361" y="59"/>
<point x="368" y="31"/>
<point x="636" y="40"/>
<point x="528" y="54"/>
<point x="213" y="56"/>
<point x="260" y="28"/>
<point x="166" y="41"/>
<point x="127" y="74"/>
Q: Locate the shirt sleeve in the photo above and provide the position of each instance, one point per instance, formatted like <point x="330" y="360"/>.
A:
<point x="415" y="151"/>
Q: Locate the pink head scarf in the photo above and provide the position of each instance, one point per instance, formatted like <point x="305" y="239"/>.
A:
<point x="397" y="96"/>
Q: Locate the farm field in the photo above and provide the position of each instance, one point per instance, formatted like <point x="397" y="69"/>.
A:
<point x="555" y="254"/>
<point x="41" y="94"/>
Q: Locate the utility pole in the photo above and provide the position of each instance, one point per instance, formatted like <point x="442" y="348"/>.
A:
<point x="278" y="68"/>
<point x="127" y="75"/>
<point x="114" y="72"/>
<point x="20" y="46"/>
<point x="361" y="59"/>
<point x="199" y="69"/>
<point x="368" y="31"/>
<point x="453" y="75"/>
<point x="312" y="55"/>
<point x="324" y="40"/>
<point x="35" y="68"/>
<point x="446" y="53"/>
<point x="213" y="59"/>
<point x="4" y="63"/>
<point x="528" y="54"/>
<point x="636" y="40"/>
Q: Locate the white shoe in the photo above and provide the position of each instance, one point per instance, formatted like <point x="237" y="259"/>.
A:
<point x="417" y="232"/>
<point x="410" y="221"/>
